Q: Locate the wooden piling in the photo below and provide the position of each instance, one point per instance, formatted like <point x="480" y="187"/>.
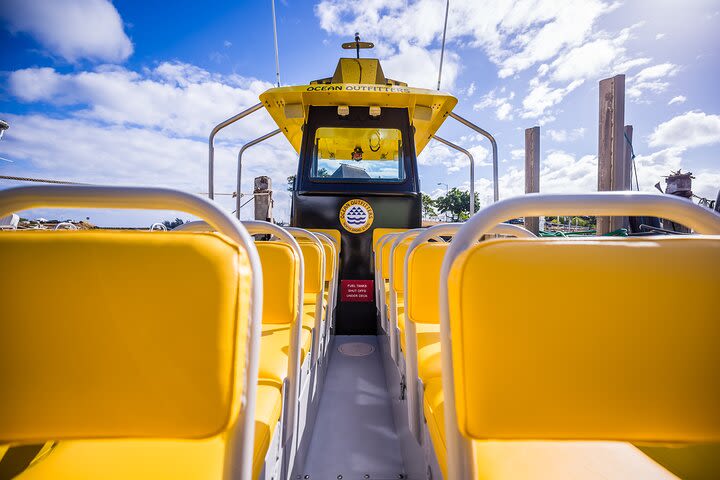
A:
<point x="263" y="198"/>
<point x="532" y="171"/>
<point x="611" y="145"/>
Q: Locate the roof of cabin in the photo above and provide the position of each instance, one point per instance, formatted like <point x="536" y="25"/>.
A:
<point x="358" y="83"/>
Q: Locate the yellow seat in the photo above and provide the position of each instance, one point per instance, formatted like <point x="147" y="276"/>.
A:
<point x="428" y="354"/>
<point x="188" y="459"/>
<point x="378" y="233"/>
<point x="541" y="460"/>
<point x="133" y="366"/>
<point x="334" y="234"/>
<point x="274" y="349"/>
<point x="635" y="371"/>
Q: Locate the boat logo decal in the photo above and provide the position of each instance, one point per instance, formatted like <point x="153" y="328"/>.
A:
<point x="356" y="216"/>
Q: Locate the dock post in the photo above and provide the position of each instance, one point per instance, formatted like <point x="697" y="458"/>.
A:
<point x="263" y="198"/>
<point x="611" y="146"/>
<point x="628" y="163"/>
<point x="532" y="171"/>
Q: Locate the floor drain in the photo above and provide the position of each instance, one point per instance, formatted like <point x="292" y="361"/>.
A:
<point x="356" y="349"/>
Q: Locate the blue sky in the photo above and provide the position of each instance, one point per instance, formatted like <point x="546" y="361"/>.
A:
<point x="126" y="92"/>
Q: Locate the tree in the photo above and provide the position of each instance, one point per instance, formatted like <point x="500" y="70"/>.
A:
<point x="457" y="204"/>
<point x="172" y="224"/>
<point x="428" y="206"/>
<point x="291" y="183"/>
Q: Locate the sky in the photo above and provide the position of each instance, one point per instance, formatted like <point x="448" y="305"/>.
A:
<point x="126" y="92"/>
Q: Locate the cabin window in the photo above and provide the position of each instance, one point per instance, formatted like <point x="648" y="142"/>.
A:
<point x="357" y="155"/>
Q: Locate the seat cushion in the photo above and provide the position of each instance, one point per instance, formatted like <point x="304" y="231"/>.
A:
<point x="428" y="340"/>
<point x="274" y="348"/>
<point x="268" y="406"/>
<point x="157" y="459"/>
<point x="542" y="460"/>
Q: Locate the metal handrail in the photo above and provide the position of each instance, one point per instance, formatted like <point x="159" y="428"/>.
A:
<point x="240" y="441"/>
<point x="459" y="448"/>
<point x="259" y="227"/>
<point x="160" y="227"/>
<point x="379" y="281"/>
<point x="486" y="134"/>
<point x="65" y="226"/>
<point x="472" y="169"/>
<point x="211" y="144"/>
<point x="411" y="362"/>
<point x="393" y="320"/>
<point x="302" y="233"/>
<point x="332" y="292"/>
<point x="238" y="201"/>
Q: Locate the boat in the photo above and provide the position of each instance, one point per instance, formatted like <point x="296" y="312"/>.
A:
<point x="354" y="343"/>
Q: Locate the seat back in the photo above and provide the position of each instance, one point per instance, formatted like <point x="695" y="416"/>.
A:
<point x="632" y="354"/>
<point x="121" y="334"/>
<point x="330" y="259"/>
<point x="314" y="256"/>
<point x="385" y="259"/>
<point x="378" y="233"/>
<point x="281" y="276"/>
<point x="334" y="234"/>
<point x="398" y="260"/>
<point x="422" y="301"/>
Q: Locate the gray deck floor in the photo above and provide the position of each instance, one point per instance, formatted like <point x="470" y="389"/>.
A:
<point x="354" y="433"/>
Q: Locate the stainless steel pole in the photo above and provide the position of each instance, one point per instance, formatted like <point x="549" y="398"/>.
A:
<point x="211" y="144"/>
<point x="486" y="134"/>
<point x="238" y="199"/>
<point x="472" y="169"/>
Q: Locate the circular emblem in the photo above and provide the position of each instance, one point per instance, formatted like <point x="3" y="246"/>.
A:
<point x="356" y="216"/>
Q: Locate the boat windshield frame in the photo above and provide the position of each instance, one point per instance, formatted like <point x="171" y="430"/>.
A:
<point x="359" y="117"/>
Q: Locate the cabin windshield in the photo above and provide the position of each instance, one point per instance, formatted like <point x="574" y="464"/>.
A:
<point x="357" y="154"/>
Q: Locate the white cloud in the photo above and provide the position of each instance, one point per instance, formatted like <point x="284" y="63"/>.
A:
<point x="437" y="154"/>
<point x="563" y="135"/>
<point x="86" y="151"/>
<point x="72" y="29"/>
<point x="517" y="154"/>
<point x="177" y="98"/>
<point x="659" y="36"/>
<point x="691" y="129"/>
<point x="144" y="128"/>
<point x="515" y="35"/>
<point x="498" y="100"/>
<point x="418" y="67"/>
<point x="678" y="99"/>
<point x="560" y="172"/>
<point x="542" y="97"/>
<point x="471" y="89"/>
<point x="656" y="71"/>
<point x="651" y="79"/>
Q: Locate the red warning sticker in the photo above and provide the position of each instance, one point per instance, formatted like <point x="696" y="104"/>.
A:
<point x="357" y="290"/>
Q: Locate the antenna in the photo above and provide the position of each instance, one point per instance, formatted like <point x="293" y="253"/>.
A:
<point x="442" y="50"/>
<point x="277" y="56"/>
<point x="357" y="45"/>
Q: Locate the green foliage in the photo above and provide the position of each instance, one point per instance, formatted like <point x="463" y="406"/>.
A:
<point x="428" y="207"/>
<point x="291" y="183"/>
<point x="456" y="204"/>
